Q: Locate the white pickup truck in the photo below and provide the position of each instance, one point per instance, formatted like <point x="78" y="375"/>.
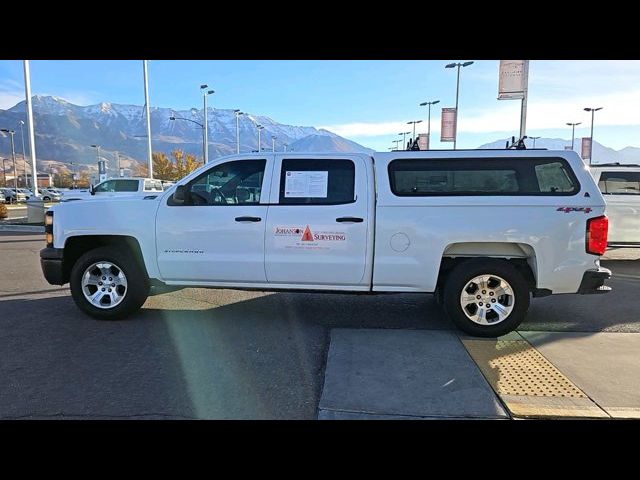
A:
<point x="620" y="186"/>
<point x="483" y="230"/>
<point x="117" y="187"/>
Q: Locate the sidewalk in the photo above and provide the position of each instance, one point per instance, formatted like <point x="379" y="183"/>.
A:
<point x="422" y="374"/>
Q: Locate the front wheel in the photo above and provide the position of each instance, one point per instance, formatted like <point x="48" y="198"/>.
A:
<point x="46" y="199"/>
<point x="108" y="284"/>
<point x="486" y="297"/>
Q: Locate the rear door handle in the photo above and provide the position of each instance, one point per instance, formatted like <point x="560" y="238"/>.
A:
<point x="350" y="219"/>
<point x="248" y="219"/>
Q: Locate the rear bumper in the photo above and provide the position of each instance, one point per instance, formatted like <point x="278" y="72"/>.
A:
<point x="51" y="262"/>
<point x="593" y="281"/>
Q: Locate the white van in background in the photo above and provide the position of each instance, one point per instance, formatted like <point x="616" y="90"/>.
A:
<point x="620" y="187"/>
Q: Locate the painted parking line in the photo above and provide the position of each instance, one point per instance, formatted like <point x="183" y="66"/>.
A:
<point x="527" y="383"/>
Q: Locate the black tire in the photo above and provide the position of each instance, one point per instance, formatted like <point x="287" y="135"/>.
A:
<point x="137" y="283"/>
<point x="46" y="199"/>
<point x="462" y="274"/>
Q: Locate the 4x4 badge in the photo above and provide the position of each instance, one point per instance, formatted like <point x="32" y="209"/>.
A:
<point x="574" y="209"/>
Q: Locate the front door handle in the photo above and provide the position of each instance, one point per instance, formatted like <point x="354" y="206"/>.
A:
<point x="350" y="219"/>
<point x="248" y="219"/>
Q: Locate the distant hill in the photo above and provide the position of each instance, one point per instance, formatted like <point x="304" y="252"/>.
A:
<point x="601" y="154"/>
<point x="64" y="132"/>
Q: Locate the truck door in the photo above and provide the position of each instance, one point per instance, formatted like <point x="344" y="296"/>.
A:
<point x="217" y="233"/>
<point x="318" y="221"/>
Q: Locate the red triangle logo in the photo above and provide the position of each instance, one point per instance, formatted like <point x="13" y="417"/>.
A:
<point x="307" y="236"/>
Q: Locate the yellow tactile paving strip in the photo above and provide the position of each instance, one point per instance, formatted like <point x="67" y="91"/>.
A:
<point x="528" y="384"/>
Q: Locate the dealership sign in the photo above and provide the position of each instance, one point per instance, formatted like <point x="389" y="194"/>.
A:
<point x="513" y="79"/>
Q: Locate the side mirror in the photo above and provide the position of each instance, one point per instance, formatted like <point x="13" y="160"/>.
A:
<point x="180" y="193"/>
<point x="92" y="190"/>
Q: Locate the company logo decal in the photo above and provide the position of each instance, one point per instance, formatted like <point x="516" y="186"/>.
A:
<point x="183" y="251"/>
<point x="308" y="239"/>
<point x="574" y="209"/>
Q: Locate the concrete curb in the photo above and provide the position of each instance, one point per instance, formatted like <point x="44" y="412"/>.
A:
<point x="22" y="228"/>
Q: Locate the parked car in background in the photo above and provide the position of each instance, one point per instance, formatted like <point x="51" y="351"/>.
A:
<point x="118" y="187"/>
<point x="620" y="187"/>
<point x="2" y="198"/>
<point x="166" y="184"/>
<point x="50" y="195"/>
<point x="27" y="193"/>
<point x="13" y="196"/>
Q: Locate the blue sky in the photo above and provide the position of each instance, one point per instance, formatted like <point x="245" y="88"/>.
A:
<point x="366" y="101"/>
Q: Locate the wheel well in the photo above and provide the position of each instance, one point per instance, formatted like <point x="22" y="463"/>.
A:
<point x="75" y="247"/>
<point x="447" y="264"/>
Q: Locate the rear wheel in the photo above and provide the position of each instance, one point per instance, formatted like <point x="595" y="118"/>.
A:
<point x="108" y="284"/>
<point x="486" y="297"/>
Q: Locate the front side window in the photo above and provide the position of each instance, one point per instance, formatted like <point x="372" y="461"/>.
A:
<point x="108" y="186"/>
<point x="317" y="182"/>
<point x="620" y="183"/>
<point x="482" y="176"/>
<point x="233" y="183"/>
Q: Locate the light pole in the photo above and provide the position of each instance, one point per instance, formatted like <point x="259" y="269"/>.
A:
<point x="404" y="139"/>
<point x="148" y="115"/>
<point x="204" y="140"/>
<point x="260" y="128"/>
<point x="452" y="65"/>
<point x="414" y="127"/>
<point x="205" y="128"/>
<point x="396" y="142"/>
<point x="4" y="173"/>
<point x="273" y="143"/>
<point x="593" y="111"/>
<point x="238" y="113"/>
<point x="13" y="155"/>
<point x="24" y="157"/>
<point x="97" y="147"/>
<point x="31" y="130"/>
<point x="573" y="131"/>
<point x="534" y="141"/>
<point x="429" y="121"/>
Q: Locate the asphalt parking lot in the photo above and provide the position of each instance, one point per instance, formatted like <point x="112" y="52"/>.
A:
<point x="222" y="354"/>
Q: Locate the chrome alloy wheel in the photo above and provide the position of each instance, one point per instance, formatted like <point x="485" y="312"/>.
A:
<point x="104" y="284"/>
<point x="487" y="299"/>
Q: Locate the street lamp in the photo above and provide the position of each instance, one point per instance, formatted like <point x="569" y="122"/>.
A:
<point x="97" y="147"/>
<point x="204" y="138"/>
<point x="273" y="143"/>
<point x="205" y="133"/>
<point x="260" y="128"/>
<point x="13" y="155"/>
<point x="534" y="141"/>
<point x="396" y="143"/>
<point x="404" y="139"/>
<point x="4" y="173"/>
<point x="414" y="127"/>
<point x="238" y="113"/>
<point x="452" y="65"/>
<point x="593" y="111"/>
<point x="423" y="104"/>
<point x="573" y="131"/>
<point x="24" y="157"/>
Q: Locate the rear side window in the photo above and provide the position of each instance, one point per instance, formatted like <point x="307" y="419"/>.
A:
<point x="482" y="176"/>
<point x="317" y="182"/>
<point x="620" y="183"/>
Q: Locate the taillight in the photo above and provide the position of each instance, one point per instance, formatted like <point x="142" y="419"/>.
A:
<point x="597" y="230"/>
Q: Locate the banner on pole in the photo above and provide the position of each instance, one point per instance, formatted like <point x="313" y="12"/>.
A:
<point x="586" y="147"/>
<point x="448" y="125"/>
<point x="512" y="79"/>
<point x="423" y="141"/>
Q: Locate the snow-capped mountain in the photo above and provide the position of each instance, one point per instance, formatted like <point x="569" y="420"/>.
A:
<point x="64" y="131"/>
